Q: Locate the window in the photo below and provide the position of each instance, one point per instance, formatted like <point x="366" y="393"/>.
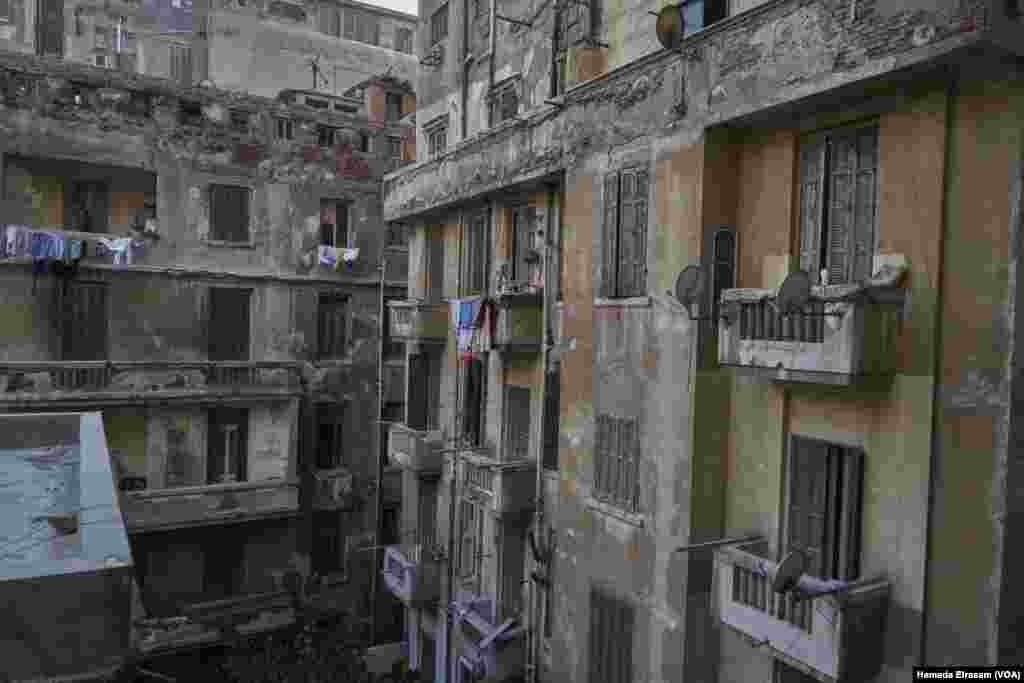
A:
<point x="284" y="129"/>
<point x="362" y="27"/>
<point x="100" y="41"/>
<point x="471" y="546"/>
<point x="403" y="40"/>
<point x="394" y="147"/>
<point x="611" y="638"/>
<point x="475" y="233"/>
<point x="330" y="443"/>
<point x="229" y="213"/>
<point x="100" y="60"/>
<point x="437" y="137"/>
<point x="190" y="113"/>
<point x="517" y="423"/>
<point x="84" y="325"/>
<point x="474" y="400"/>
<point x="325" y="135"/>
<point x="176" y="466"/>
<point x="699" y="14"/>
<point x="392" y="106"/>
<point x="332" y="326"/>
<point x="228" y="322"/>
<point x="227" y="445"/>
<point x="330" y="21"/>
<point x="839" y="203"/>
<point x="334" y="223"/>
<point x="364" y="143"/>
<point x="240" y="120"/>
<point x="510" y="601"/>
<point x="286" y="10"/>
<point x="824" y="510"/>
<point x="521" y="249"/>
<point x="422" y="409"/>
<point x="329" y="549"/>
<point x="505" y="102"/>
<point x="434" y="268"/>
<point x="223" y="566"/>
<point x="439" y="25"/>
<point x="181" y="64"/>
<point x="5" y="11"/>
<point x="617" y="462"/>
<point x="625" y="234"/>
<point x="87" y="206"/>
<point x="552" y="393"/>
<point x="50" y="28"/>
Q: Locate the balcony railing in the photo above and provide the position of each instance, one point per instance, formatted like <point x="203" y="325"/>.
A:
<point x="414" y="450"/>
<point x="333" y="489"/>
<point x="843" y="334"/>
<point x="214" y="504"/>
<point x="413" y="321"/>
<point x="520" y="322"/>
<point x="412" y="574"/>
<point x="837" y="637"/>
<point x="504" y="487"/>
<point x="20" y="381"/>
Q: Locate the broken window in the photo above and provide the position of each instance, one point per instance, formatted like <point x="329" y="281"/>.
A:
<point x="439" y="24"/>
<point x="517" y="423"/>
<point x="87" y="204"/>
<point x="229" y="323"/>
<point x="523" y="256"/>
<point x="226" y="445"/>
<point x="332" y="326"/>
<point x="611" y="638"/>
<point x="423" y="407"/>
<point x="392" y="106"/>
<point x="824" y="510"/>
<point x="284" y="129"/>
<point x="181" y="64"/>
<point x="403" y="40"/>
<point x="229" y="213"/>
<point x="617" y="462"/>
<point x="475" y="233"/>
<point x="839" y="203"/>
<point x="552" y="393"/>
<point x="474" y="400"/>
<point x="330" y="433"/>
<point x="471" y="546"/>
<point x="624" y="249"/>
<point x="84" y="326"/>
<point x="334" y="223"/>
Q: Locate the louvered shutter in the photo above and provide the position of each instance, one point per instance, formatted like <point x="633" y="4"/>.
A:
<point x="848" y="543"/>
<point x="471" y="401"/>
<point x="632" y="257"/>
<point x="600" y="455"/>
<point x="812" y="169"/>
<point x="522" y="232"/>
<point x="842" y="170"/>
<point x="808" y="503"/>
<point x="865" y="203"/>
<point x="610" y="237"/>
<point x="416" y="408"/>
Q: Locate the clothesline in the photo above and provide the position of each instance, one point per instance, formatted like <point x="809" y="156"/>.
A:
<point x="64" y="249"/>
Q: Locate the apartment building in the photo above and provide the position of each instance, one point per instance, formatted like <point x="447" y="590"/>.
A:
<point x="253" y="46"/>
<point x="570" y="169"/>
<point x="208" y="271"/>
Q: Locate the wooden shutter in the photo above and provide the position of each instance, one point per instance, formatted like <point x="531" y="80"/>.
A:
<point x="85" y="322"/>
<point x="474" y="253"/>
<point x="610" y="235"/>
<point x="807" y="521"/>
<point x="812" y="170"/>
<point x="842" y="171"/>
<point x="629" y="453"/>
<point x="601" y="455"/>
<point x="847" y="544"/>
<point x="522" y="232"/>
<point x="551" y="420"/>
<point x="865" y="203"/>
<point x="332" y="326"/>
<point x="632" y="256"/>
<point x="517" y="422"/>
<point x="471" y="400"/>
<point x="228" y="323"/>
<point x="50" y="28"/>
<point x="416" y="408"/>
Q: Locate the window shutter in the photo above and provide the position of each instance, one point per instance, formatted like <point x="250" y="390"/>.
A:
<point x="522" y="230"/>
<point x="350" y="24"/>
<point x="435" y="268"/>
<point x="229" y="324"/>
<point x="812" y="169"/>
<point x="842" y="169"/>
<point x="865" y="204"/>
<point x="632" y="257"/>
<point x="851" y="483"/>
<point x="610" y="238"/>
<point x="416" y="408"/>
<point x="807" y="508"/>
<point x="600" y="455"/>
<point x="85" y="325"/>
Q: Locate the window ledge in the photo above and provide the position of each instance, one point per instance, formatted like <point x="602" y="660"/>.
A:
<point x="631" y="518"/>
<point x="627" y="302"/>
<point x="230" y="245"/>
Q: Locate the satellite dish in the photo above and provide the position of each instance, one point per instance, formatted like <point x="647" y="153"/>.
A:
<point x="670" y="27"/>
<point x="788" y="572"/>
<point x="690" y="287"/>
<point x="793" y="293"/>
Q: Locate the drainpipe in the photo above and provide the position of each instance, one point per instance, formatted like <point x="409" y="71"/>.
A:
<point x="466" y="65"/>
<point x="952" y="90"/>
<point x="378" y="512"/>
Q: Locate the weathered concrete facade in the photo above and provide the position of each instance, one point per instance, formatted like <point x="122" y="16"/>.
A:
<point x="716" y="140"/>
<point x="207" y="405"/>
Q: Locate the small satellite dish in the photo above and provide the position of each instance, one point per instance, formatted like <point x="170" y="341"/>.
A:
<point x="793" y="293"/>
<point x="690" y="288"/>
<point x="788" y="572"/>
<point x="670" y="27"/>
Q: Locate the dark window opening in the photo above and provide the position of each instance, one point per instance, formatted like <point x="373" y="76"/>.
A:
<point x="474" y="401"/>
<point x="329" y="550"/>
<point x="223" y="566"/>
<point x="424" y="392"/>
<point x="330" y="436"/>
<point x="522" y="251"/>
<point x="611" y="638"/>
<point x="227" y="445"/>
<point x="228" y="322"/>
<point x="240" y="121"/>
<point x="394" y="147"/>
<point x="284" y="129"/>
<point x="229" y="213"/>
<point x="88" y="206"/>
<point x="84" y="325"/>
<point x="326" y="135"/>
<point x="403" y="40"/>
<point x="553" y="389"/>
<point x="332" y="323"/>
<point x="334" y="223"/>
<point x="517" y="423"/>
<point x="190" y="114"/>
<point x="392" y="106"/>
<point x="504" y="104"/>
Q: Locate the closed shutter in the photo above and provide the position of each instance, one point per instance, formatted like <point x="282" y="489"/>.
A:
<point x="50" y="28"/>
<point x="522" y="233"/>
<point x="435" y="267"/>
<point x="517" y="422"/>
<point x="610" y="235"/>
<point x="229" y="213"/>
<point x="84" y="332"/>
<point x="551" y="420"/>
<point x="851" y="480"/>
<point x="416" y="408"/>
<point x="808" y="504"/>
<point x="474" y="255"/>
<point x="351" y="21"/>
<point x="865" y="203"/>
<point x="601" y="455"/>
<point x="473" y="401"/>
<point x="228" y="324"/>
<point x="434" y="397"/>
<point x="611" y="639"/>
<point x="629" y="449"/>
<point x="333" y="326"/>
<point x="842" y="171"/>
<point x="305" y="303"/>
<point x="632" y="256"/>
<point x="812" y="169"/>
<point x="330" y="446"/>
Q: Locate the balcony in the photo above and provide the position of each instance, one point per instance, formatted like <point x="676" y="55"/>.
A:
<point x="121" y="381"/>
<point x="412" y="574"/>
<point x="842" y="336"/>
<point x="834" y="638"/>
<point x="414" y="450"/>
<point x="419" y="322"/>
<point x="333" y="489"/>
<point x="214" y="504"/>
<point x="520" y="323"/>
<point x="503" y="487"/>
<point x="493" y="648"/>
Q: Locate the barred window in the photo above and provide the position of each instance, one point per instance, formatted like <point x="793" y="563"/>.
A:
<point x="617" y="462"/>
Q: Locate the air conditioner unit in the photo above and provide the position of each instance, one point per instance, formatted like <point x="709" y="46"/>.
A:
<point x="101" y="60"/>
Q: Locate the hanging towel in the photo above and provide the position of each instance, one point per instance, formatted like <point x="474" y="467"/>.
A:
<point x="465" y="312"/>
<point x="349" y="255"/>
<point x="56" y="249"/>
<point x="73" y="250"/>
<point x="327" y="256"/>
<point x="121" y="248"/>
<point x="40" y="246"/>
